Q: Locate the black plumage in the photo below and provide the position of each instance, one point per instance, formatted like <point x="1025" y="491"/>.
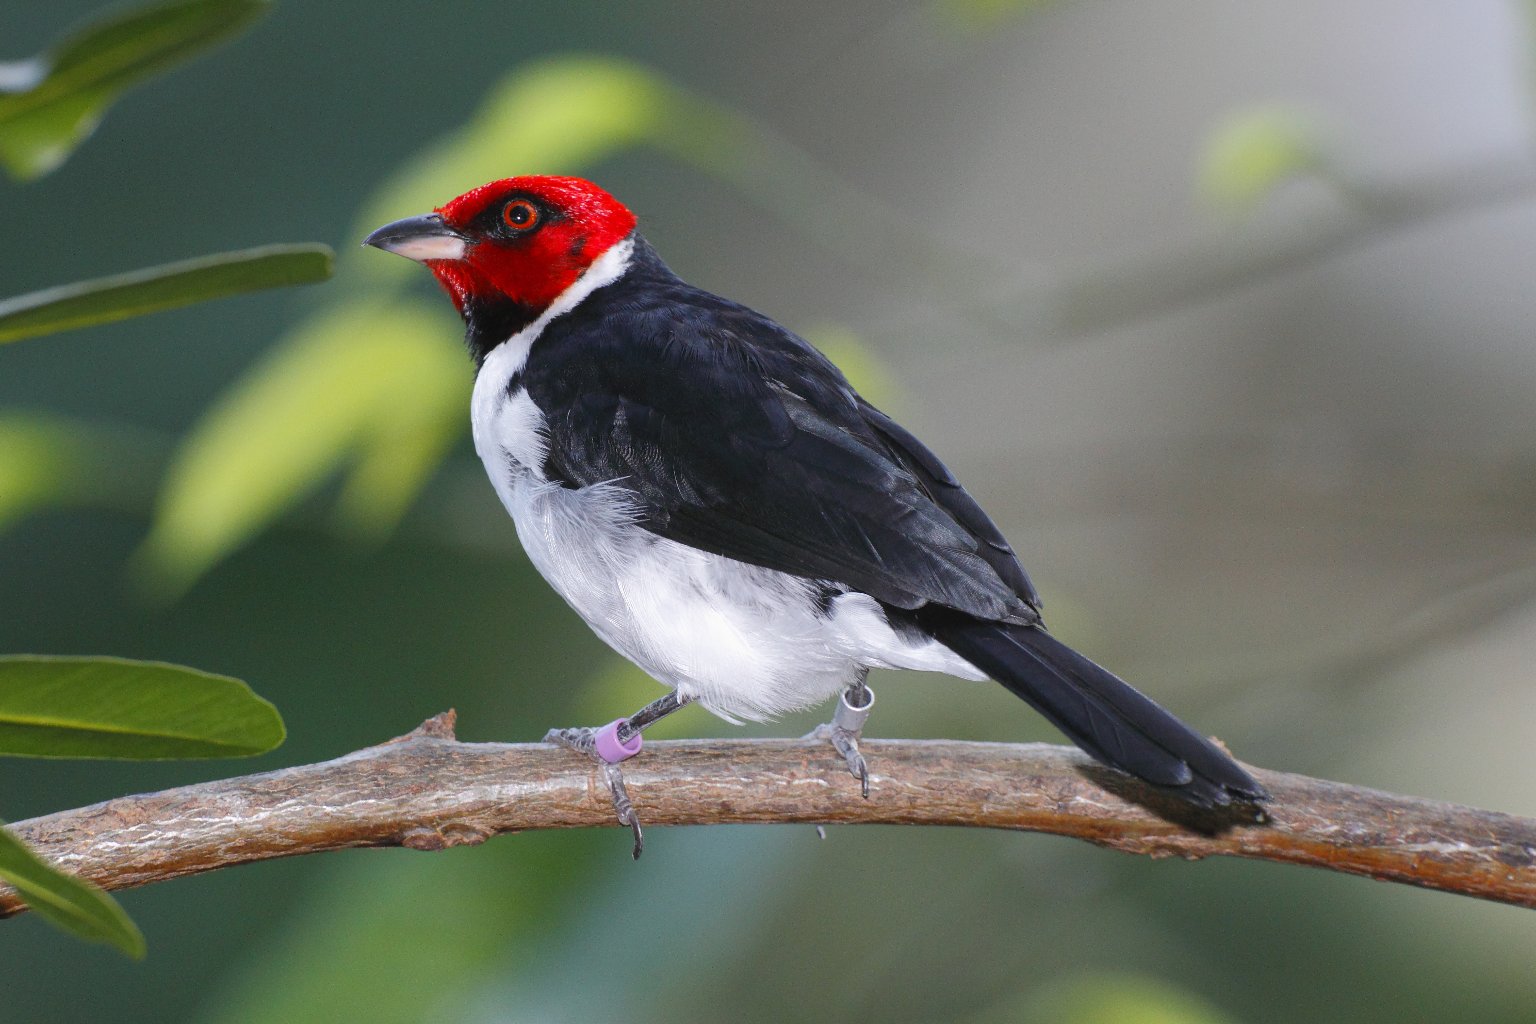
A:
<point x="735" y="436"/>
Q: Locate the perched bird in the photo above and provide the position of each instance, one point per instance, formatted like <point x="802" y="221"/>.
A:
<point x="711" y="495"/>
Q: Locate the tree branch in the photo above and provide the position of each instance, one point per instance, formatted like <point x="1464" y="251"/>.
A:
<point x="428" y="791"/>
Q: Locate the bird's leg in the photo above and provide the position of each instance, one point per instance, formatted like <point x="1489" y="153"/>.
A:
<point x="618" y="741"/>
<point x="847" y="724"/>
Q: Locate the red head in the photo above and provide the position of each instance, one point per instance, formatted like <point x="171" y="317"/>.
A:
<point x="520" y="240"/>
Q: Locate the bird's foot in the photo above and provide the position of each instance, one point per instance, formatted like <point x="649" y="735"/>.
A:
<point x="606" y="746"/>
<point x="846" y="727"/>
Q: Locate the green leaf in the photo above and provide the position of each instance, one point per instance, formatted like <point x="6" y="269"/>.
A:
<point x="52" y="103"/>
<point x="1250" y="154"/>
<point x="73" y="904"/>
<point x="373" y="381"/>
<point x="112" y="707"/>
<point x="172" y="285"/>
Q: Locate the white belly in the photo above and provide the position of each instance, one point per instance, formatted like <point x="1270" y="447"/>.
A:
<point x="742" y="640"/>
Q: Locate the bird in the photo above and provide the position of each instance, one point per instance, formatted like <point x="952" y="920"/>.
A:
<point x="719" y="504"/>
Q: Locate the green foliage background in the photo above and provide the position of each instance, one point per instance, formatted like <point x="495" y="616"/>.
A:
<point x="1142" y="276"/>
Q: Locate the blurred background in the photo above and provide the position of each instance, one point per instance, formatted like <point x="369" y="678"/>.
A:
<point x="1222" y="309"/>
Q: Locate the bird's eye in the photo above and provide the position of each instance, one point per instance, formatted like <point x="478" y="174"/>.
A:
<point x="520" y="215"/>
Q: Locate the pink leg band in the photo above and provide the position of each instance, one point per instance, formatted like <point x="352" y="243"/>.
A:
<point x="607" y="744"/>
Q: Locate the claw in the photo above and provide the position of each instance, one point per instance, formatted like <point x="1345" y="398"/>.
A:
<point x="847" y="744"/>
<point x="584" y="741"/>
<point x="846" y="727"/>
<point x="621" y="805"/>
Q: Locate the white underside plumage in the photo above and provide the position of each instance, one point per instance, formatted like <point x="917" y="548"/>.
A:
<point x="745" y="641"/>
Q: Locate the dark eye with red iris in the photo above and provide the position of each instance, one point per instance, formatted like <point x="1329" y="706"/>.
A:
<point x="520" y="215"/>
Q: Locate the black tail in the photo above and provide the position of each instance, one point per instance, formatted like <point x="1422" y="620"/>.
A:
<point x="1100" y="712"/>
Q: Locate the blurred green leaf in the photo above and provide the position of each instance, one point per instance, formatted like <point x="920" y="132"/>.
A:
<point x="169" y="286"/>
<point x="112" y="707"/>
<point x="52" y="103"/>
<point x="40" y="463"/>
<point x="48" y="461"/>
<point x="376" y="382"/>
<point x="403" y="446"/>
<point x="977" y="15"/>
<point x="73" y="904"/>
<point x="1253" y="152"/>
<point x="1095" y="998"/>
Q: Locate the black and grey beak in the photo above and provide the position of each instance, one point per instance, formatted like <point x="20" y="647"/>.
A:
<point x="420" y="238"/>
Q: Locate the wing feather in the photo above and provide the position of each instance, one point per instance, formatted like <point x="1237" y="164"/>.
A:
<point x="737" y="437"/>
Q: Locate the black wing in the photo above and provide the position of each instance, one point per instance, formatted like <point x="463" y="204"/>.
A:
<point x="736" y="437"/>
<point x="941" y="484"/>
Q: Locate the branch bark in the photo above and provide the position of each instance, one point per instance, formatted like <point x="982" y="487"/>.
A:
<point x="427" y="791"/>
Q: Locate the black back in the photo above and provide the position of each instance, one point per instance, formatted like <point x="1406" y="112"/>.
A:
<point x="737" y="437"/>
